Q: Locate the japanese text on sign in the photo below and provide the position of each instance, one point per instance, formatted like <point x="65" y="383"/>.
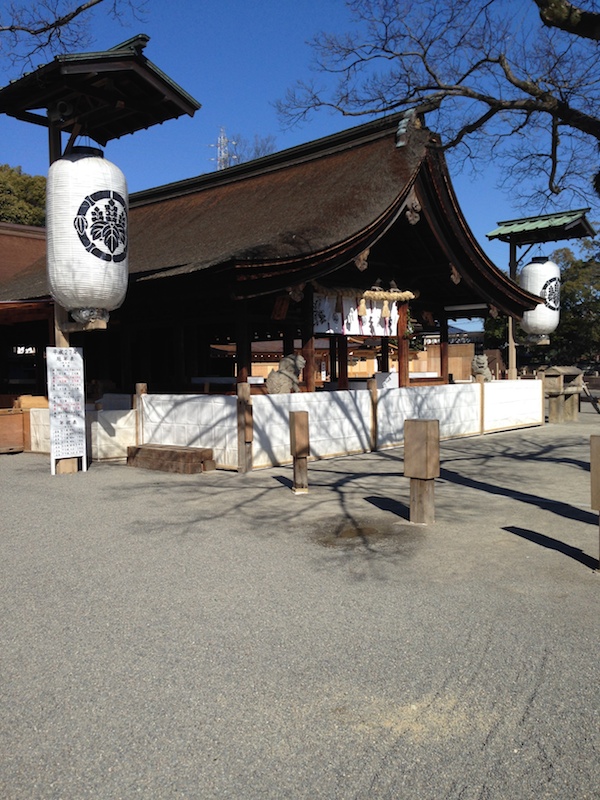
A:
<point x="66" y="398"/>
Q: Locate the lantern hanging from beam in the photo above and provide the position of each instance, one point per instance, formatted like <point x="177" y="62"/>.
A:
<point x="86" y="226"/>
<point x="541" y="277"/>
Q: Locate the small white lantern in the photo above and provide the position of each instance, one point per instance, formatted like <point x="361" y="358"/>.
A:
<point x="86" y="228"/>
<point x="541" y="277"/>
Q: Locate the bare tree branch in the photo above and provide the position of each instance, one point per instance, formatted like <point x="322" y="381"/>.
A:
<point x="37" y="24"/>
<point x="562" y="14"/>
<point x="48" y="27"/>
<point x="491" y="78"/>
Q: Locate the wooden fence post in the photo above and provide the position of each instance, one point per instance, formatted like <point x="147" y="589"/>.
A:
<point x="245" y="424"/>
<point x="595" y="479"/>
<point x="422" y="466"/>
<point x="372" y="387"/>
<point x="300" y="450"/>
<point x="140" y="389"/>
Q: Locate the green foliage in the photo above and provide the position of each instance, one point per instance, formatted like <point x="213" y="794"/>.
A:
<point x="577" y="338"/>
<point x="495" y="332"/>
<point x="22" y="196"/>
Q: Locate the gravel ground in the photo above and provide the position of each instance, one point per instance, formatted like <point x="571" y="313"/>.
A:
<point x="217" y="636"/>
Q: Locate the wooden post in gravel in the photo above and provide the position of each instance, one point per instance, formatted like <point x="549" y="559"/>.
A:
<point x="245" y="425"/>
<point x="422" y="466"/>
<point x="140" y="389"/>
<point x="372" y="387"/>
<point x="595" y="479"/>
<point x="300" y="450"/>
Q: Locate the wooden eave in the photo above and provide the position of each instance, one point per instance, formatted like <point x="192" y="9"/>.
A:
<point x="454" y="237"/>
<point x="12" y="313"/>
<point x="306" y="214"/>
<point x="103" y="95"/>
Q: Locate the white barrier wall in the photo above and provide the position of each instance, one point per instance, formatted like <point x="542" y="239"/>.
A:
<point x="457" y="407"/>
<point x="339" y="424"/>
<point x="193" y="421"/>
<point x="512" y="404"/>
<point x="39" y="425"/>
<point x="109" y="433"/>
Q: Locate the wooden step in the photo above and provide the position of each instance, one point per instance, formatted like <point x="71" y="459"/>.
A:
<point x="171" y="458"/>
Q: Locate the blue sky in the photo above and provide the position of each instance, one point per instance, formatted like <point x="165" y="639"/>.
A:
<point x="236" y="58"/>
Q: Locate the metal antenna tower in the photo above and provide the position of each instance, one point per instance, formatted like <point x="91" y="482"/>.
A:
<point x="224" y="158"/>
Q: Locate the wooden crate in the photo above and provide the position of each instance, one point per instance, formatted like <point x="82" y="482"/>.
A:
<point x="11" y="430"/>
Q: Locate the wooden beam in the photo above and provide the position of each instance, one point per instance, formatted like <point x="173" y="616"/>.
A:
<point x="300" y="450"/>
<point x="444" y="360"/>
<point x="245" y="426"/>
<point x="403" y="346"/>
<point x="343" y="362"/>
<point x="308" y="340"/>
<point x="385" y="354"/>
<point x="243" y="346"/>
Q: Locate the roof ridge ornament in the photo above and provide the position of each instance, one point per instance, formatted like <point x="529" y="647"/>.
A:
<point x="407" y="118"/>
<point x="136" y="44"/>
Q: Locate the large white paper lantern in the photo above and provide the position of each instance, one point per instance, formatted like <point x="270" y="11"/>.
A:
<point x="86" y="228"/>
<point x="542" y="277"/>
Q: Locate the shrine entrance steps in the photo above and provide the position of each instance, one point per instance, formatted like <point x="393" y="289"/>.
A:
<point x="171" y="458"/>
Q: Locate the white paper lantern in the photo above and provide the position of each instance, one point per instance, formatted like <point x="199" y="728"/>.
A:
<point x="86" y="228"/>
<point x="542" y="277"/>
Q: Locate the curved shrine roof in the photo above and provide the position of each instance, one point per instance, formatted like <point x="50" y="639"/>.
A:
<point x="380" y="189"/>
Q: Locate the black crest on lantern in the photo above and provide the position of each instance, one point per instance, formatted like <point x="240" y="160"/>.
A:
<point x="102" y="226"/>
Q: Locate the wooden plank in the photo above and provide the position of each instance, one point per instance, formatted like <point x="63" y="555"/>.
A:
<point x="26" y="401"/>
<point x="11" y="431"/>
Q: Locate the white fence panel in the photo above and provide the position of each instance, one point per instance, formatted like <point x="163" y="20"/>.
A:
<point x="193" y="421"/>
<point x="512" y="404"/>
<point x="111" y="433"/>
<point x="39" y="426"/>
<point x="457" y="407"/>
<point x="339" y="424"/>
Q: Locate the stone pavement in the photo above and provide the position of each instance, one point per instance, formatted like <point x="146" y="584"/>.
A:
<point x="217" y="636"/>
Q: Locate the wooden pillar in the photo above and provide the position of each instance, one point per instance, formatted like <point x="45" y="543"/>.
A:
<point x="288" y="342"/>
<point x="179" y="356"/>
<point x="444" y="369"/>
<point x="300" y="450"/>
<point x="422" y="466"/>
<point x="333" y="358"/>
<point x="384" y="366"/>
<point x="125" y="375"/>
<point x="403" y="345"/>
<point x="61" y="316"/>
<point x="595" y="479"/>
<point x="342" y="362"/>
<point x="372" y="387"/>
<point x="308" y="340"/>
<point x="140" y="389"/>
<point x="512" y="349"/>
<point x="245" y="426"/>
<point x="243" y="346"/>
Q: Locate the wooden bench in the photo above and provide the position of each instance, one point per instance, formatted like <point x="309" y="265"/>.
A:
<point x="171" y="458"/>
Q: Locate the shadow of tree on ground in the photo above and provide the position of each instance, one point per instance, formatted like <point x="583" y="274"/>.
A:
<point x="554" y="544"/>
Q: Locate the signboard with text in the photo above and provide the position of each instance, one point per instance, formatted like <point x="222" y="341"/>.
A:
<point x="66" y="398"/>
